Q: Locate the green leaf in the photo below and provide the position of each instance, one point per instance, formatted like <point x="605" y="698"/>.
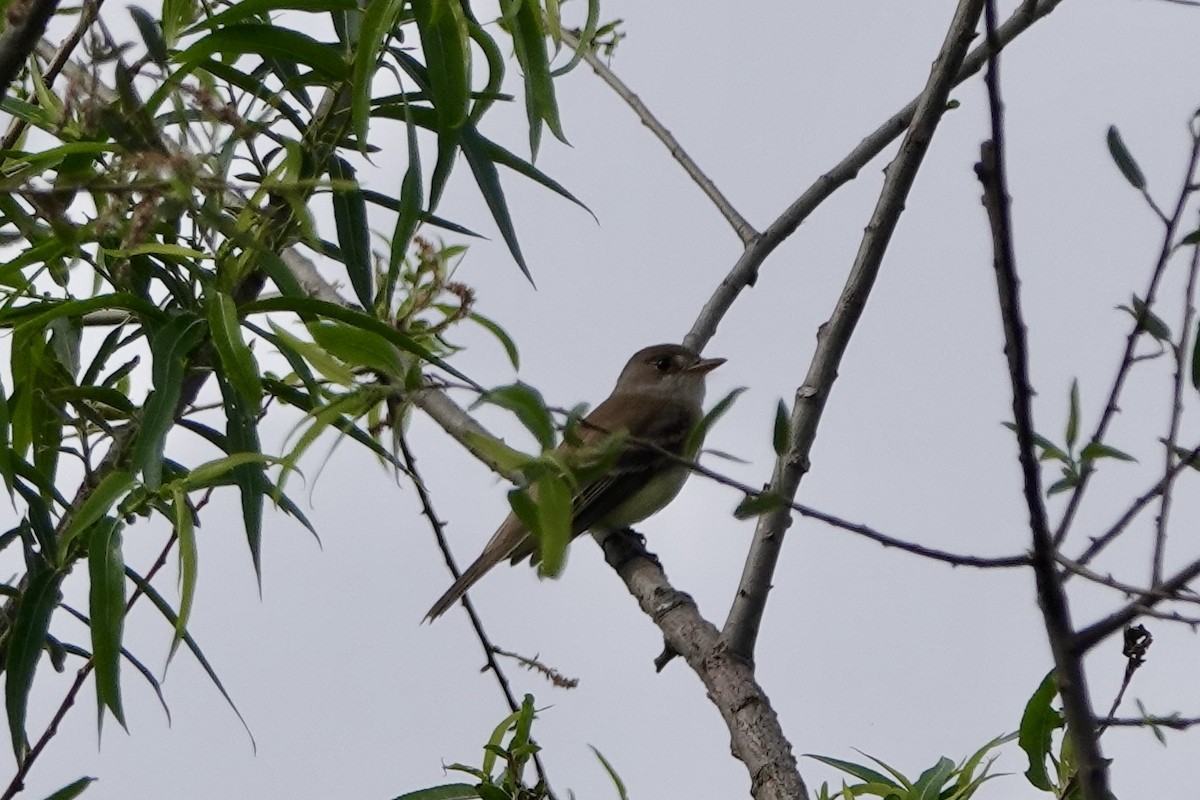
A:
<point x="321" y="361"/>
<point x="618" y="784"/>
<point x="445" y="42"/>
<point x="72" y="790"/>
<point x="106" y="608"/>
<point x="698" y="434"/>
<point x="409" y="212"/>
<point x="239" y="364"/>
<point x="148" y="27"/>
<point x="1147" y="320"/>
<point x="1125" y="161"/>
<point x="170" y="347"/>
<point x="488" y="181"/>
<point x="7" y="465"/>
<point x="98" y="502"/>
<point x="758" y="504"/>
<point x="554" y="512"/>
<point x="306" y="305"/>
<point x="353" y="228"/>
<point x="1073" y="416"/>
<point x="26" y="640"/>
<point x="1097" y="450"/>
<point x="377" y="24"/>
<point x="1196" y="359"/>
<point x="185" y="531"/>
<point x="859" y="771"/>
<point x="1039" y="721"/>
<point x="527" y="403"/>
<point x="269" y="42"/>
<point x="929" y="784"/>
<point x="496" y="454"/>
<point x="1049" y="449"/>
<point x="529" y="45"/>
<point x="357" y="347"/>
<point x="164" y="608"/>
<point x="449" y="791"/>
<point x="241" y="434"/>
<point x="254" y="9"/>
<point x="510" y="347"/>
<point x="782" y="433"/>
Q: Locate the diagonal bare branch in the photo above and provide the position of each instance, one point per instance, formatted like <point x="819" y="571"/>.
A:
<point x="741" y="627"/>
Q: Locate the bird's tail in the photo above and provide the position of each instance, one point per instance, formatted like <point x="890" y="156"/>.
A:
<point x="502" y="544"/>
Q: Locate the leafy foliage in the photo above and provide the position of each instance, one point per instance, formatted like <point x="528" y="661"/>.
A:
<point x="146" y="209"/>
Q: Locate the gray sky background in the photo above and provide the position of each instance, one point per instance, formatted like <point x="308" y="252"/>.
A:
<point x="349" y="696"/>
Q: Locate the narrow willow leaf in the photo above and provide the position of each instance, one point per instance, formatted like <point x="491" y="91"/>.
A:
<point x="170" y="346"/>
<point x="1124" y="160"/>
<point x="377" y="24"/>
<point x="99" y="501"/>
<point x="25" y="642"/>
<point x="238" y="363"/>
<point x="496" y="454"/>
<point x="529" y="44"/>
<point x="357" y="347"/>
<point x="448" y="791"/>
<point x="254" y="9"/>
<point x="1072" y="432"/>
<point x="308" y="305"/>
<point x="529" y="406"/>
<point x="185" y="531"/>
<point x="445" y="41"/>
<point x="554" y="512"/>
<point x="165" y="609"/>
<point x="488" y="181"/>
<point x="72" y="790"/>
<point x="7" y="465"/>
<point x="1095" y="450"/>
<point x="1147" y="320"/>
<point x="353" y="228"/>
<point x="781" y="435"/>
<point x="270" y="42"/>
<point x="696" y="438"/>
<point x="618" y="784"/>
<point x="106" y="609"/>
<point x="1037" y="724"/>
<point x="321" y="361"/>
<point x="1196" y="359"/>
<point x="412" y="199"/>
<point x="506" y="341"/>
<point x="209" y="472"/>
<point x="241" y="434"/>
<point x="148" y="27"/>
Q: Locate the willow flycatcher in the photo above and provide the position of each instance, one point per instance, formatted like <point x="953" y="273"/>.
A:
<point x="657" y="402"/>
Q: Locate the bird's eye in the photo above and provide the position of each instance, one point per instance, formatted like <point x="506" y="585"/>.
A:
<point x="662" y="363"/>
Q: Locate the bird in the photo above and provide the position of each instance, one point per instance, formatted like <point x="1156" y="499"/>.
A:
<point x="657" y="401"/>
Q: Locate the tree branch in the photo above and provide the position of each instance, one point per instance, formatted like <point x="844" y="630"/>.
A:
<point x="756" y="736"/>
<point x="745" y="271"/>
<point x="26" y="24"/>
<point x="744" y="230"/>
<point x="1092" y="769"/>
<point x="741" y="627"/>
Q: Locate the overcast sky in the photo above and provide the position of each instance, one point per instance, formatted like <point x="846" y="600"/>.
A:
<point x="348" y="695"/>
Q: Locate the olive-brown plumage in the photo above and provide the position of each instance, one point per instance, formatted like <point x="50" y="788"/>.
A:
<point x="658" y="399"/>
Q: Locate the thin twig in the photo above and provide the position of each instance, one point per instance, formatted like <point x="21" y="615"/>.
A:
<point x="741" y="627"/>
<point x="1092" y="770"/>
<point x="744" y="230"/>
<point x="21" y="37"/>
<point x="1118" y="527"/>
<point x="1171" y="228"/>
<point x="1169" y="455"/>
<point x="1098" y="631"/>
<point x="489" y="649"/>
<point x="745" y="271"/>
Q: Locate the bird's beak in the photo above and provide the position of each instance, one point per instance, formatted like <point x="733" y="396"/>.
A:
<point x="706" y="365"/>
